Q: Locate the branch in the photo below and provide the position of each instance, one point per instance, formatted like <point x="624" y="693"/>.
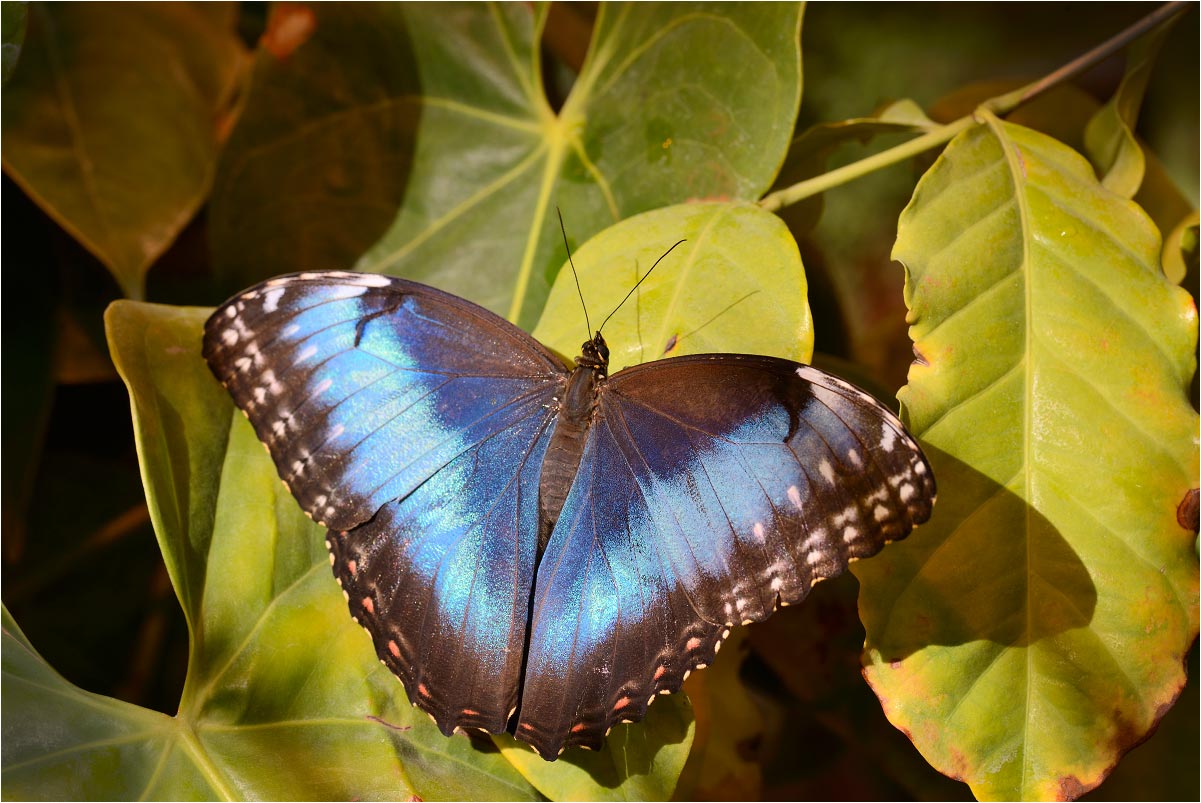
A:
<point x="1000" y="105"/>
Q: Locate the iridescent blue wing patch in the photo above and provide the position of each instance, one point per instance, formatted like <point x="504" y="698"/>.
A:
<point x="412" y="424"/>
<point x="711" y="490"/>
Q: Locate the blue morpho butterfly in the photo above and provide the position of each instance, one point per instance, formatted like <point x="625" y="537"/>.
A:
<point x="543" y="549"/>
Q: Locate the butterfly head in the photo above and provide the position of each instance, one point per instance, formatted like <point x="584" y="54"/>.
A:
<point x="595" y="355"/>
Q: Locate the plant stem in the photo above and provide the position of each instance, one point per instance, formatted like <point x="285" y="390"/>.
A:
<point x="1000" y="105"/>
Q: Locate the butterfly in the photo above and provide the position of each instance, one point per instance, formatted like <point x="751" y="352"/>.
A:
<point x="543" y="549"/>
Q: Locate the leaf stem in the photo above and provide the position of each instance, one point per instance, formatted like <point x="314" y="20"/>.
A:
<point x="1000" y="105"/>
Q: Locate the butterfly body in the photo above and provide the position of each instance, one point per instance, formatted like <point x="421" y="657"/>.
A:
<point x="544" y="549"/>
<point x="575" y="414"/>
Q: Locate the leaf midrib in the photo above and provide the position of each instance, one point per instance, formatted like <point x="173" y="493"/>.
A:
<point x="1014" y="160"/>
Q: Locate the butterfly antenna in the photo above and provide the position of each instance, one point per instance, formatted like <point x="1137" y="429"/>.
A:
<point x="640" y="281"/>
<point x="575" y="275"/>
<point x="638" y="314"/>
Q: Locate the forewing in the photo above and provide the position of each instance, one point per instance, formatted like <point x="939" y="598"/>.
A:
<point x="411" y="423"/>
<point x="712" y="489"/>
<point x="362" y="386"/>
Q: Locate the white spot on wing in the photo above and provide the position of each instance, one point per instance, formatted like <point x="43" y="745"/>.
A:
<point x="881" y="513"/>
<point x="372" y="279"/>
<point x="815" y="538"/>
<point x="271" y="299"/>
<point x="907" y="492"/>
<point x="889" y="440"/>
<point x="229" y="337"/>
<point x="794" y="496"/>
<point x="759" y="532"/>
<point x="827" y="471"/>
<point x="305" y="353"/>
<point x="855" y="458"/>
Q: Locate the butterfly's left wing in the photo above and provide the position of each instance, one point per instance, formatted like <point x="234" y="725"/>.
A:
<point x="712" y="488"/>
<point x="412" y="424"/>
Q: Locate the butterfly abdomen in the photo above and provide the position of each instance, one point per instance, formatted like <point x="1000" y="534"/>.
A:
<point x="566" y="447"/>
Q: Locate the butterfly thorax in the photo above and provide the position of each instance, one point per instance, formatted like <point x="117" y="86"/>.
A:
<point x="566" y="447"/>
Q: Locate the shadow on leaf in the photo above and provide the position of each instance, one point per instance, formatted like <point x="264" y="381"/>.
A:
<point x="988" y="566"/>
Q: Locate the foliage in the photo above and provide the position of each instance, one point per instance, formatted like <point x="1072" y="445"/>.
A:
<point x="1034" y="632"/>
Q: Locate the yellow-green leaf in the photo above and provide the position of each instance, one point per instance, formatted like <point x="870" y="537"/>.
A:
<point x="737" y="264"/>
<point x="1035" y="629"/>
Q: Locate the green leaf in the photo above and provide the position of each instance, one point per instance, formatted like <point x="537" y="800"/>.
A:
<point x="13" y="21"/>
<point x="284" y="696"/>
<point x="445" y="137"/>
<point x="62" y="743"/>
<point x="1035" y="629"/>
<point x="737" y="264"/>
<point x="110" y="122"/>
<point x="1109" y="137"/>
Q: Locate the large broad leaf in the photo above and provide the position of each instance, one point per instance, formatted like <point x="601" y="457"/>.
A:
<point x="1035" y="629"/>
<point x="736" y="265"/>
<point x="110" y="122"/>
<point x="432" y="143"/>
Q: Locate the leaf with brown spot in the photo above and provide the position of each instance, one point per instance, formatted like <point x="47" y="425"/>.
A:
<point x="1034" y="630"/>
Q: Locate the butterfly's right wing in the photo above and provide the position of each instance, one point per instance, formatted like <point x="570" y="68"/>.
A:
<point x="412" y="424"/>
<point x="711" y="489"/>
